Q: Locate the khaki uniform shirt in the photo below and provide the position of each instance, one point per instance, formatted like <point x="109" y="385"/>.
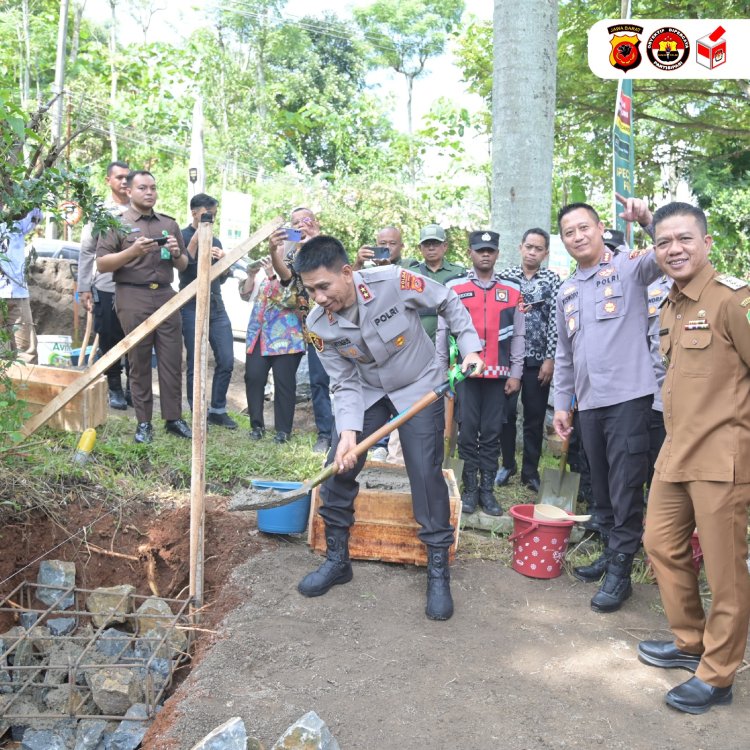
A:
<point x="146" y="269"/>
<point x="387" y="352"/>
<point x="705" y="343"/>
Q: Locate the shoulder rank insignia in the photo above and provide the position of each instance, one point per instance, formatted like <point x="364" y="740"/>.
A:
<point x="331" y="319"/>
<point x="731" y="281"/>
<point x="364" y="291"/>
<point x="410" y="281"/>
<point x="316" y="341"/>
<point x="745" y="302"/>
<point x="637" y="253"/>
<point x="607" y="257"/>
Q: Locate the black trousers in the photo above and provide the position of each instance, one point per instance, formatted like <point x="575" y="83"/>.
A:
<point x="656" y="435"/>
<point x="534" y="396"/>
<point x="284" y="368"/>
<point x="481" y="409"/>
<point x="616" y="441"/>
<point x="422" y="444"/>
<point x="107" y="325"/>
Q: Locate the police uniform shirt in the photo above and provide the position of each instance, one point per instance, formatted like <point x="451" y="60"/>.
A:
<point x="145" y="269"/>
<point x="657" y="293"/>
<point x="387" y="352"/>
<point x="705" y="343"/>
<point x="602" y="332"/>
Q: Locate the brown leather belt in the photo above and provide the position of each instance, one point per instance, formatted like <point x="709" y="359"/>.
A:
<point x="153" y="285"/>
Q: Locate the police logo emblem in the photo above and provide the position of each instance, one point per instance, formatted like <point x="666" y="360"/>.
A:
<point x="410" y="281"/>
<point x="501" y="295"/>
<point x="668" y="48"/>
<point x="625" y="54"/>
<point x="316" y="341"/>
<point x="652" y="310"/>
<point x="486" y="237"/>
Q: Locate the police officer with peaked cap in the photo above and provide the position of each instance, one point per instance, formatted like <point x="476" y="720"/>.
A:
<point x="367" y="331"/>
<point x="603" y="358"/>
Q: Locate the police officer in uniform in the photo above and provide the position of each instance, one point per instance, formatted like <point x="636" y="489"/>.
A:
<point x="602" y="328"/>
<point x="702" y="476"/>
<point x="143" y="280"/>
<point x="380" y="360"/>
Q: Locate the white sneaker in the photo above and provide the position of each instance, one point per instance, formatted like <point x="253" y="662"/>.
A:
<point x="379" y="454"/>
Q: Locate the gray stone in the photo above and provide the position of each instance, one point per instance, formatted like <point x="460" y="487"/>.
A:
<point x="308" y="733"/>
<point x="150" y="645"/>
<point x="131" y="731"/>
<point x="28" y="619"/>
<point x="41" y="638"/>
<point x="103" y="604"/>
<point x="58" y="699"/>
<point x="62" y="656"/>
<point x="113" y="642"/>
<point x="56" y="573"/>
<point x="89" y="733"/>
<point x="43" y="739"/>
<point x="115" y="690"/>
<point x="231" y="735"/>
<point x="155" y="614"/>
<point x="61" y="625"/>
<point x="6" y="685"/>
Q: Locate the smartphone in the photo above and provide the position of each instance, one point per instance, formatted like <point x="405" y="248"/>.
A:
<point x="293" y="235"/>
<point x="381" y="253"/>
<point x="160" y="240"/>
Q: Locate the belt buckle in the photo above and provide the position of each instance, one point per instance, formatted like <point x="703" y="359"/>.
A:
<point x="153" y="286"/>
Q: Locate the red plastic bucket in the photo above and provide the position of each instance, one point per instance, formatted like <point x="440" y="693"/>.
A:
<point x="539" y="546"/>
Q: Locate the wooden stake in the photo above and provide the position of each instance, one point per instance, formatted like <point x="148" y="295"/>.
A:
<point x="198" y="472"/>
<point x="145" y="328"/>
<point x="86" y="337"/>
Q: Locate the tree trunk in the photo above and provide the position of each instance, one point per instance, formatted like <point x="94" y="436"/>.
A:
<point x="26" y="62"/>
<point x="113" y="79"/>
<point x="75" y="42"/>
<point x="523" y="120"/>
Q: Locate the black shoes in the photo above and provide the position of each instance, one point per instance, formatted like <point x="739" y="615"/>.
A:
<point x="439" y="599"/>
<point x="117" y="399"/>
<point x="144" y="433"/>
<point x="593" y="572"/>
<point x="322" y="444"/>
<point x="697" y="697"/>
<point x="616" y="587"/>
<point x="257" y="433"/>
<point x="487" y="495"/>
<point x="335" y="570"/>
<point x="666" y="655"/>
<point x="504" y="475"/>
<point x="281" y="437"/>
<point x="470" y="495"/>
<point x="222" y="420"/>
<point x="178" y="427"/>
<point x="532" y="484"/>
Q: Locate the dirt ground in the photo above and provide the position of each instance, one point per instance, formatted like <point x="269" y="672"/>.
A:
<point x="523" y="664"/>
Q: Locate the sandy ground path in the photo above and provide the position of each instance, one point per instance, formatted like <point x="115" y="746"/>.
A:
<point x="524" y="664"/>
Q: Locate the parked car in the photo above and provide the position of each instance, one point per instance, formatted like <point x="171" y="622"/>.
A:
<point x="41" y="247"/>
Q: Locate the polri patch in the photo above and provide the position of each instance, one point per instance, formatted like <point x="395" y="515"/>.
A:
<point x="411" y="282"/>
<point x="316" y="341"/>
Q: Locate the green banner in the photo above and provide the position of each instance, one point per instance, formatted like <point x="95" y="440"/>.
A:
<point x="623" y="151"/>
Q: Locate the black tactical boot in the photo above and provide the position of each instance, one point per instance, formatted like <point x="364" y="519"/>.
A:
<point x="470" y="495"/>
<point x="616" y="587"/>
<point x="487" y="496"/>
<point x="439" y="599"/>
<point x="336" y="569"/>
<point x="595" y="570"/>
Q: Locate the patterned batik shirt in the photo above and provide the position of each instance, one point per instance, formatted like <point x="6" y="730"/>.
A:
<point x="539" y="295"/>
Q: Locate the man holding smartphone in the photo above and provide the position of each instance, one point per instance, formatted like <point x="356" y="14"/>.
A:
<point x="219" y="326"/>
<point x="387" y="250"/>
<point x="143" y="283"/>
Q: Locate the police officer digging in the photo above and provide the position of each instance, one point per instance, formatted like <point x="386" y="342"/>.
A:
<point x="143" y="271"/>
<point x="702" y="476"/>
<point x="368" y="334"/>
<point x="603" y="358"/>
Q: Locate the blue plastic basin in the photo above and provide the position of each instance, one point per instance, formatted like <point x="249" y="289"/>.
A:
<point x="286" y="519"/>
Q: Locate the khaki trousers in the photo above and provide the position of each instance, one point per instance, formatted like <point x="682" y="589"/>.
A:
<point x="719" y="511"/>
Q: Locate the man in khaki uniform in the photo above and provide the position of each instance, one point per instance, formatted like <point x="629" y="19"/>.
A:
<point x="368" y="333"/>
<point x="702" y="476"/>
<point x="143" y="272"/>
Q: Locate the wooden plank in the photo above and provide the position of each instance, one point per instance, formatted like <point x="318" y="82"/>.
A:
<point x="143" y="330"/>
<point x="384" y="527"/>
